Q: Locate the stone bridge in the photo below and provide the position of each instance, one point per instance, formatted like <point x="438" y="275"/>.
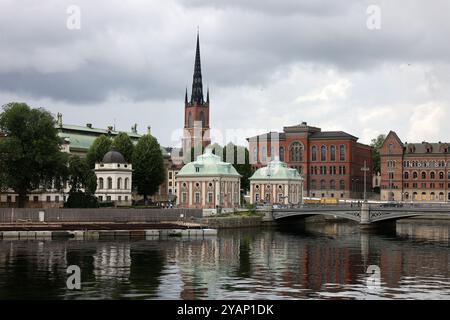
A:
<point x="364" y="214"/>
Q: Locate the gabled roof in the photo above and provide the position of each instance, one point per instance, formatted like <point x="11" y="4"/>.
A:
<point x="395" y="136"/>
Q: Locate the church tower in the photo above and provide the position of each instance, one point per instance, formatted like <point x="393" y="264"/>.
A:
<point x="196" y="110"/>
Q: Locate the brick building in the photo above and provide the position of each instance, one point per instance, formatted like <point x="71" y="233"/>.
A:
<point x="329" y="161"/>
<point x="414" y="171"/>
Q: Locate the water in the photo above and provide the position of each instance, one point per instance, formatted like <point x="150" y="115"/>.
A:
<point x="326" y="261"/>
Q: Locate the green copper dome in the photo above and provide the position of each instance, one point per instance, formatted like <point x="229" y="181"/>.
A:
<point x="208" y="164"/>
<point x="276" y="170"/>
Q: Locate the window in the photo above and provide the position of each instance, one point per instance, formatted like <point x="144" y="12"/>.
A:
<point x="170" y="175"/>
<point x="100" y="183"/>
<point x="415" y="175"/>
<point x="264" y="154"/>
<point x="323" y="185"/>
<point x="119" y="184"/>
<point x="100" y="198"/>
<point x="441" y="175"/>
<point x="119" y="198"/>
<point x="48" y="198"/>
<point x="184" y="197"/>
<point x="341" y="152"/>
<point x="197" y="169"/>
<point x="342" y="170"/>
<point x="323" y="153"/>
<point x="333" y="185"/>
<point x="108" y="198"/>
<point x="126" y="187"/>
<point x="424" y="175"/>
<point x="35" y="198"/>
<point x="281" y="153"/>
<point x="432" y="175"/>
<point x="197" y="197"/>
<point x="314" y="153"/>
<point x="296" y="152"/>
<point x="109" y="183"/>
<point x="202" y="118"/>
<point x="406" y="175"/>
<point x="333" y="170"/>
<point x="190" y="120"/>
<point x="126" y="198"/>
<point x="332" y="153"/>
<point x="257" y="197"/>
<point x="210" y="197"/>
<point x="342" y="185"/>
<point x="313" y="184"/>
<point x="255" y="154"/>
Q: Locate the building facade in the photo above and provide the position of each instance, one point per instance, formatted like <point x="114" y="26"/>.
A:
<point x="414" y="171"/>
<point x="330" y="162"/>
<point x="276" y="183"/>
<point x="114" y="178"/>
<point x="208" y="183"/>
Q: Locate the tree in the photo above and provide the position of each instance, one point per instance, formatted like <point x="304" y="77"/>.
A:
<point x="80" y="176"/>
<point x="376" y="144"/>
<point x="30" y="156"/>
<point x="98" y="150"/>
<point x="148" y="166"/>
<point x="122" y="143"/>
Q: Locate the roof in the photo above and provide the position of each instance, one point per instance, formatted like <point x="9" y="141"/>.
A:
<point x="332" y="135"/>
<point x="276" y="170"/>
<point x="417" y="148"/>
<point x="113" y="156"/>
<point x="208" y="164"/>
<point x="80" y="138"/>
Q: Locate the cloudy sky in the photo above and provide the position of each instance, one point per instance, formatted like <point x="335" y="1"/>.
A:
<point x="268" y="64"/>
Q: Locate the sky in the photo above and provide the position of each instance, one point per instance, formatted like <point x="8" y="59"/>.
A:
<point x="364" y="67"/>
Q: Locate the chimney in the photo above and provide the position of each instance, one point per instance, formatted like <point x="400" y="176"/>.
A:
<point x="89" y="125"/>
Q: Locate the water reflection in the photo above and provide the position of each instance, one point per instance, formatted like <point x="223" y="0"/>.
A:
<point x="320" y="261"/>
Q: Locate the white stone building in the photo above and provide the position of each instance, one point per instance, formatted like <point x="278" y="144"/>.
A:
<point x="208" y="183"/>
<point x="276" y="184"/>
<point x="114" y="179"/>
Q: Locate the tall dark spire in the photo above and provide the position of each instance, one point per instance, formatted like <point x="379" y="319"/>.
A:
<point x="186" y="97"/>
<point x="197" y="85"/>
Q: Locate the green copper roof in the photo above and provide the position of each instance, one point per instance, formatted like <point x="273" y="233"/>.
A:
<point x="276" y="170"/>
<point x="208" y="164"/>
<point x="81" y="138"/>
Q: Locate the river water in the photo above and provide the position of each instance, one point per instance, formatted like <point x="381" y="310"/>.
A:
<point x="317" y="261"/>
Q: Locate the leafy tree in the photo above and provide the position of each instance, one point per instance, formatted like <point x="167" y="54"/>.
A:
<point x="376" y="144"/>
<point x="30" y="156"/>
<point x="81" y="176"/>
<point x="80" y="199"/>
<point x="148" y="166"/>
<point x="124" y="145"/>
<point x="97" y="150"/>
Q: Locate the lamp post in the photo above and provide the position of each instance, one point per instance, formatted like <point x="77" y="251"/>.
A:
<point x="365" y="169"/>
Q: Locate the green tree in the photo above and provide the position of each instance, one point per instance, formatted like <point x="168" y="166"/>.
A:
<point x="97" y="150"/>
<point x="30" y="156"/>
<point x="81" y="176"/>
<point x="148" y="166"/>
<point x="376" y="144"/>
<point x="123" y="144"/>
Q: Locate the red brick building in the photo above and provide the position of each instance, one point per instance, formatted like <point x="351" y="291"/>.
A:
<point x="414" y="171"/>
<point x="329" y="161"/>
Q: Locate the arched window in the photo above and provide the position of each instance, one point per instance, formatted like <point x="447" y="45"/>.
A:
<point x="333" y="185"/>
<point x="190" y="120"/>
<point x="119" y="183"/>
<point x="126" y="187"/>
<point x="313" y="153"/>
<point x="441" y="175"/>
<point x="332" y="153"/>
<point x="424" y="175"/>
<point x="323" y="153"/>
<point x="100" y="183"/>
<point x="406" y="175"/>
<point x="281" y="153"/>
<point x="342" y="185"/>
<point x="415" y="175"/>
<point x="202" y="118"/>
<point x="323" y="185"/>
<point x="264" y="154"/>
<point x="296" y="152"/>
<point x="313" y="184"/>
<point x="432" y="175"/>
<point x="109" y="183"/>
<point x="342" y="152"/>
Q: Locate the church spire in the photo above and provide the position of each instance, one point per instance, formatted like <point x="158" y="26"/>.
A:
<point x="197" y="85"/>
<point x="186" y="97"/>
